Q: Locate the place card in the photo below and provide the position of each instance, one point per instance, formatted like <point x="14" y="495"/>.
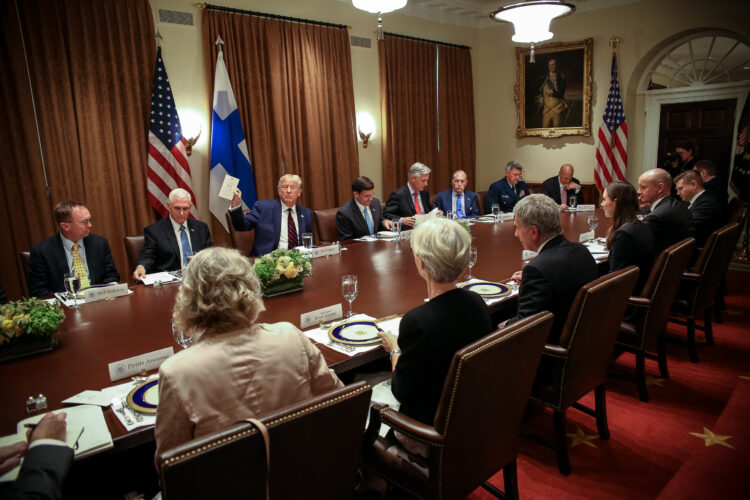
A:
<point x="228" y="186"/>
<point x="89" y="397"/>
<point x="506" y="216"/>
<point x="105" y="292"/>
<point x="587" y="236"/>
<point x="131" y="366"/>
<point x="586" y="208"/>
<point x="325" y="314"/>
<point x="325" y="251"/>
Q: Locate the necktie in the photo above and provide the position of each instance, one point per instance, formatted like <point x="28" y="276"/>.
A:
<point x="459" y="212"/>
<point x="79" y="269"/>
<point x="291" y="230"/>
<point x="564" y="196"/>
<point x="368" y="219"/>
<point x="186" y="249"/>
<point x="416" y="202"/>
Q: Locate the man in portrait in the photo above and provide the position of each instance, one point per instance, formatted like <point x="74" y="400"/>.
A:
<point x="551" y="97"/>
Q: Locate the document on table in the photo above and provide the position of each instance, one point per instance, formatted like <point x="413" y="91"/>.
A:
<point x="162" y="277"/>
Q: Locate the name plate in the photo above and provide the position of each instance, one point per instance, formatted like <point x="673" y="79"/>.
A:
<point x="105" y="292"/>
<point x="588" y="236"/>
<point x="131" y="366"/>
<point x="325" y="251"/>
<point x="586" y="208"/>
<point x="508" y="216"/>
<point x="324" y="314"/>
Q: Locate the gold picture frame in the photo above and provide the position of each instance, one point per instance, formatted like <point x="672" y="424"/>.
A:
<point x="554" y="105"/>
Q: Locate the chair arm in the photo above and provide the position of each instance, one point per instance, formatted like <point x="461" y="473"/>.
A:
<point x="556" y="351"/>
<point x="400" y="422"/>
<point x="640" y="302"/>
<point x="690" y="276"/>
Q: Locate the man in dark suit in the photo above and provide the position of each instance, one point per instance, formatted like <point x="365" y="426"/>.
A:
<point x="668" y="218"/>
<point x="458" y="200"/>
<point x="167" y="242"/>
<point x="46" y="461"/>
<point x="713" y="185"/>
<point x="562" y="186"/>
<point x="362" y="215"/>
<point x="506" y="192"/>
<point x="551" y="280"/>
<point x="73" y="250"/>
<point x="411" y="199"/>
<point x="705" y="209"/>
<point x="277" y="223"/>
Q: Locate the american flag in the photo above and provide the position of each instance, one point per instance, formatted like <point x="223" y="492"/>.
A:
<point x="168" y="167"/>
<point x="612" y="140"/>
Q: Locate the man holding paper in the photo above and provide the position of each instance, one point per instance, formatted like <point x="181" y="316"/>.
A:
<point x="363" y="214"/>
<point x="277" y="223"/>
<point x="167" y="242"/>
<point x="411" y="199"/>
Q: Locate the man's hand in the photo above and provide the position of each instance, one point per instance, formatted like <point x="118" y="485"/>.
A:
<point x="237" y="198"/>
<point x="51" y="426"/>
<point x="439" y="213"/>
<point x="408" y="221"/>
<point x="139" y="273"/>
<point x="517" y="276"/>
<point x="389" y="341"/>
<point x="388" y="224"/>
<point x="573" y="185"/>
<point x="563" y="207"/>
<point x="10" y="456"/>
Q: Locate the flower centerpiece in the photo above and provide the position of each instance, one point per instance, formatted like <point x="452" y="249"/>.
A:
<point x="281" y="271"/>
<point x="29" y="326"/>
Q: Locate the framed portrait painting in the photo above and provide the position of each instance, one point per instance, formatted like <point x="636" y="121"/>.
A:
<point x="553" y="94"/>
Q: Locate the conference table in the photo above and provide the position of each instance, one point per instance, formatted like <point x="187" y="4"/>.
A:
<point x="102" y="332"/>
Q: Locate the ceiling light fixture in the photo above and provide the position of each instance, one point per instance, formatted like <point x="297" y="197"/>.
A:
<point x="379" y="7"/>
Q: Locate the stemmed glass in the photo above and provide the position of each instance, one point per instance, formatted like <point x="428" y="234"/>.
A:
<point x="472" y="261"/>
<point x="349" y="290"/>
<point x="593" y="222"/>
<point x="180" y="337"/>
<point x="72" y="285"/>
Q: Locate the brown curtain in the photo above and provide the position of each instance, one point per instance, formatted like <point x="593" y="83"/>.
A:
<point x="408" y="108"/>
<point x="90" y="64"/>
<point x="294" y="90"/>
<point x="456" y="104"/>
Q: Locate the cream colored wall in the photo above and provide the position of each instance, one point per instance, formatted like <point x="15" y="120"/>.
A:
<point x="642" y="27"/>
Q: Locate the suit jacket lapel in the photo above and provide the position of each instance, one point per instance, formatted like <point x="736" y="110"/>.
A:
<point x="359" y="218"/>
<point x="171" y="237"/>
<point x="60" y="257"/>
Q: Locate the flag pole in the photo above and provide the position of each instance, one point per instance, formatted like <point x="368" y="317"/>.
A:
<point x="614" y="41"/>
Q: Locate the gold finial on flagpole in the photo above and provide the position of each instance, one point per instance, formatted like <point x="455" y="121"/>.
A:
<point x="159" y="38"/>
<point x="614" y="41"/>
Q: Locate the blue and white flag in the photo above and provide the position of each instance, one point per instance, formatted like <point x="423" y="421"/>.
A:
<point x="228" y="147"/>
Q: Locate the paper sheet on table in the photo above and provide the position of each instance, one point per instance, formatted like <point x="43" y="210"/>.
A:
<point x="121" y="391"/>
<point x="320" y="335"/>
<point x="163" y="277"/>
<point x="494" y="300"/>
<point x="89" y="398"/>
<point x="367" y="238"/>
<point x="420" y="218"/>
<point x="598" y="249"/>
<point x="228" y="186"/>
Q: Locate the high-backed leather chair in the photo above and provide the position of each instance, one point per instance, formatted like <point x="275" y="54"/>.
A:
<point x="433" y="197"/>
<point x="579" y="363"/>
<point x="646" y="326"/>
<point x="315" y="449"/>
<point x="25" y="256"/>
<point x="482" y="201"/>
<point x="133" y="247"/>
<point x="697" y="291"/>
<point x="324" y="226"/>
<point x="241" y="240"/>
<point x="736" y="212"/>
<point x="477" y="424"/>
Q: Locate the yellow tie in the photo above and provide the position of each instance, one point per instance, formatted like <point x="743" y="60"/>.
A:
<point x="79" y="269"/>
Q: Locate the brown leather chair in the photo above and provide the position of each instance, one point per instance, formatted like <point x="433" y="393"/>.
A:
<point x="646" y="326"/>
<point x="737" y="212"/>
<point x="579" y="363"/>
<point x="315" y="447"/>
<point x="482" y="201"/>
<point x="697" y="291"/>
<point x="433" y="197"/>
<point x="25" y="256"/>
<point x="324" y="226"/>
<point x="133" y="247"/>
<point x="241" y="240"/>
<point x="475" y="432"/>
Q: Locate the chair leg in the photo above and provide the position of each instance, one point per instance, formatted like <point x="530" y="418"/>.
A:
<point x="510" y="476"/>
<point x="640" y="375"/>
<point x="692" y="352"/>
<point x="600" y="406"/>
<point x="661" y="345"/>
<point x="561" y="442"/>
<point x="708" y="327"/>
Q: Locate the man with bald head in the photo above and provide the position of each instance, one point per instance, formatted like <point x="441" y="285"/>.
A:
<point x="459" y="200"/>
<point x="669" y="219"/>
<point x="562" y="186"/>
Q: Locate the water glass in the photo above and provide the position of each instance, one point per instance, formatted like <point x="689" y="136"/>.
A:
<point x="449" y="215"/>
<point x="307" y="241"/>
<point x="349" y="288"/>
<point x="573" y="201"/>
<point x="396" y="228"/>
<point x="181" y="338"/>
<point x="72" y="286"/>
<point x="472" y="261"/>
<point x="496" y="211"/>
<point x="593" y="222"/>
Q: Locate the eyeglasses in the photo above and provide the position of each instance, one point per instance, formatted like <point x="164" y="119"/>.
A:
<point x="84" y="223"/>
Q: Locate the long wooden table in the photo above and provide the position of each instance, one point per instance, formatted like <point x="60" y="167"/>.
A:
<point x="100" y="333"/>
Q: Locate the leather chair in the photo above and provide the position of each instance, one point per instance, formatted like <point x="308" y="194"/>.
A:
<point x="25" y="256"/>
<point x="698" y="288"/>
<point x="315" y="450"/>
<point x="482" y="201"/>
<point x="647" y="324"/>
<point x="324" y="226"/>
<point x="433" y="197"/>
<point x="241" y="240"/>
<point x="736" y="212"/>
<point x="579" y="363"/>
<point x="475" y="432"/>
<point x="133" y="247"/>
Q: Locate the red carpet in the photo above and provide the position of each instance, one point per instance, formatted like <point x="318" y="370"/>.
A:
<point x="651" y="452"/>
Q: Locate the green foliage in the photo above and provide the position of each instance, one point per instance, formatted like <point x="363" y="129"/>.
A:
<point x="281" y="264"/>
<point x="30" y="316"/>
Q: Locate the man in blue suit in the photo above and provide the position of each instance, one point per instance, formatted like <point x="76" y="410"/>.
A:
<point x="362" y="215"/>
<point x="458" y="200"/>
<point x="506" y="192"/>
<point x="73" y="250"/>
<point x="277" y="223"/>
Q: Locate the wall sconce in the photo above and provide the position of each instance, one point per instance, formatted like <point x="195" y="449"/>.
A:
<point x="365" y="127"/>
<point x="192" y="124"/>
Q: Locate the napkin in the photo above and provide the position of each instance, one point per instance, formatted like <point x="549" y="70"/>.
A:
<point x="320" y="335"/>
<point x="122" y="391"/>
<point x="512" y="285"/>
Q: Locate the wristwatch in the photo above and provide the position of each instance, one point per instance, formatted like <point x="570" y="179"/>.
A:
<point x="394" y="352"/>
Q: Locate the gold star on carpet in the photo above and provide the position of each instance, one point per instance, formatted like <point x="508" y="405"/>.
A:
<point x="712" y="439"/>
<point x="700" y="340"/>
<point x="733" y="312"/>
<point x="654" y="380"/>
<point x="581" y="437"/>
<point x="745" y="377"/>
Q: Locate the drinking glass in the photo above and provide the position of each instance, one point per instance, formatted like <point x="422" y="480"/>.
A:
<point x="72" y="285"/>
<point x="349" y="290"/>
<point x="496" y="211"/>
<point x="449" y="215"/>
<point x="593" y="222"/>
<point x="181" y="338"/>
<point x="396" y="228"/>
<point x="573" y="201"/>
<point x="472" y="261"/>
<point x="307" y="241"/>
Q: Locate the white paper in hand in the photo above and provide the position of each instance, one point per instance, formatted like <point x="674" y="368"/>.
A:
<point x="228" y="186"/>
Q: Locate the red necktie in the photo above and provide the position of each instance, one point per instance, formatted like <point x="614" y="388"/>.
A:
<point x="291" y="230"/>
<point x="416" y="203"/>
<point x="564" y="196"/>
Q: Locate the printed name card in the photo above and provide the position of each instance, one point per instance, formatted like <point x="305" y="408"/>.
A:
<point x="325" y="251"/>
<point x="228" y="186"/>
<point x="585" y="208"/>
<point x="131" y="366"/>
<point x="325" y="314"/>
<point x="105" y="292"/>
<point x="588" y="236"/>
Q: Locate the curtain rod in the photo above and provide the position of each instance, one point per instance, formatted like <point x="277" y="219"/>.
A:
<point x="271" y="16"/>
<point x="446" y="44"/>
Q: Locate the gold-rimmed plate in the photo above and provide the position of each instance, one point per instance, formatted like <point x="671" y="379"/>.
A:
<point x="488" y="289"/>
<point x="145" y="397"/>
<point x="361" y="333"/>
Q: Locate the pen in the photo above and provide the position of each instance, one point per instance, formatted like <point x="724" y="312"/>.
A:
<point x="30" y="426"/>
